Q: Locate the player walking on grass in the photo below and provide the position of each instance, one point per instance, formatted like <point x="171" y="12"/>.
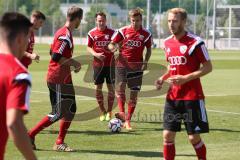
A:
<point x="14" y="83"/>
<point x="103" y="63"/>
<point x="130" y="64"/>
<point x="188" y="61"/>
<point x="37" y="19"/>
<point x="59" y="81"/>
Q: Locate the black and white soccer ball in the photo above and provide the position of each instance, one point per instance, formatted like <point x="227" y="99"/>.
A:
<point x="114" y="125"/>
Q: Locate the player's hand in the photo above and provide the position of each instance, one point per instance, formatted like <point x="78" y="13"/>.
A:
<point x="144" y="66"/>
<point x="178" y="79"/>
<point x="112" y="47"/>
<point x="77" y="67"/>
<point x="35" y="57"/>
<point x="100" y="56"/>
<point x="159" y="83"/>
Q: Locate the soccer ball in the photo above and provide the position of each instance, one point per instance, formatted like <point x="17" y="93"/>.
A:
<point x="115" y="125"/>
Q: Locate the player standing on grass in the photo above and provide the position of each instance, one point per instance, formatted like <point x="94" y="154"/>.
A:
<point x="14" y="83"/>
<point x="188" y="61"/>
<point x="37" y="19"/>
<point x="103" y="63"/>
<point x="59" y="81"/>
<point x="130" y="64"/>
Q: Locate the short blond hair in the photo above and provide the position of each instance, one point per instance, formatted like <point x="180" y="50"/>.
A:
<point x="74" y="12"/>
<point x="135" y="12"/>
<point x="181" y="11"/>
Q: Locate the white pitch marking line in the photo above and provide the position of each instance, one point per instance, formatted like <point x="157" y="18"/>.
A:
<point x="210" y="95"/>
<point x="84" y="98"/>
<point x="210" y="110"/>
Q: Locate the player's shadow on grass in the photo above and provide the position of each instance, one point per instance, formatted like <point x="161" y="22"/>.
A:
<point x="143" y="154"/>
<point x="148" y="122"/>
<point x="90" y="132"/>
<point x="224" y="130"/>
<point x="185" y="155"/>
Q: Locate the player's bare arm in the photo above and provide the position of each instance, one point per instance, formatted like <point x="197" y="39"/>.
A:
<point x="100" y="56"/>
<point x="181" y="79"/>
<point x="164" y="78"/>
<point x="18" y="132"/>
<point x="147" y="57"/>
<point x="33" y="56"/>
<point x="70" y="62"/>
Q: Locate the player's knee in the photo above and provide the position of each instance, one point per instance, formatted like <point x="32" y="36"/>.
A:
<point x="120" y="94"/>
<point x="99" y="93"/>
<point x="54" y="117"/>
<point x="73" y="108"/>
<point x="195" y="138"/>
<point x="168" y="136"/>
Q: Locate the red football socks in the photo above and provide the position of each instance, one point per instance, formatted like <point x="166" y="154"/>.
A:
<point x="131" y="108"/>
<point x="64" y="125"/>
<point x="201" y="150"/>
<point x="100" y="100"/>
<point x="169" y="151"/>
<point x="110" y="101"/>
<point x="44" y="123"/>
<point x="121" y="98"/>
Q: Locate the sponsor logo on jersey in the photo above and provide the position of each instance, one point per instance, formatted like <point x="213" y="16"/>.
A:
<point x="183" y="49"/>
<point x="132" y="43"/>
<point x="102" y="43"/>
<point x="95" y="37"/>
<point x="177" y="60"/>
<point x="141" y="37"/>
<point x="167" y="50"/>
<point x="106" y="36"/>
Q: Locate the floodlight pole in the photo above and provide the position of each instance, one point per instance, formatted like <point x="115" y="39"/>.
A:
<point x="148" y="14"/>
<point x="159" y="24"/>
<point x="230" y="27"/>
<point x="127" y="14"/>
<point x="207" y="26"/>
<point x="195" y="15"/>
<point x="214" y="24"/>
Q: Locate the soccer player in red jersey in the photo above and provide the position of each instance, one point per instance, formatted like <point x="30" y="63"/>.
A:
<point x="59" y="81"/>
<point x="14" y="83"/>
<point x="188" y="61"/>
<point x="103" y="63"/>
<point x="37" y="19"/>
<point x="130" y="64"/>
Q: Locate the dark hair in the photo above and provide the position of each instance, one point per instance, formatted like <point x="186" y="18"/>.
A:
<point x="13" y="23"/>
<point x="100" y="14"/>
<point x="38" y="15"/>
<point x="74" y="12"/>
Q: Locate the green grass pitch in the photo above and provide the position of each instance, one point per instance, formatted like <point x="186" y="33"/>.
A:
<point x="92" y="138"/>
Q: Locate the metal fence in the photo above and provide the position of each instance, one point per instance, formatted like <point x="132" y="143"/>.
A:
<point x="223" y="34"/>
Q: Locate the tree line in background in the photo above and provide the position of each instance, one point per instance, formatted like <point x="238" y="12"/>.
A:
<point x="55" y="18"/>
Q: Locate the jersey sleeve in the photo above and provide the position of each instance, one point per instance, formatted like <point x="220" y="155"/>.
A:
<point x="202" y="53"/>
<point x="148" y="41"/>
<point x="117" y="36"/>
<point x="90" y="40"/>
<point x="19" y="93"/>
<point x="59" y="46"/>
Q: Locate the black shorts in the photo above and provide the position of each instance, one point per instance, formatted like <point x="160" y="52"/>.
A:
<point x="192" y="113"/>
<point x="133" y="78"/>
<point x="62" y="97"/>
<point x="101" y="73"/>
